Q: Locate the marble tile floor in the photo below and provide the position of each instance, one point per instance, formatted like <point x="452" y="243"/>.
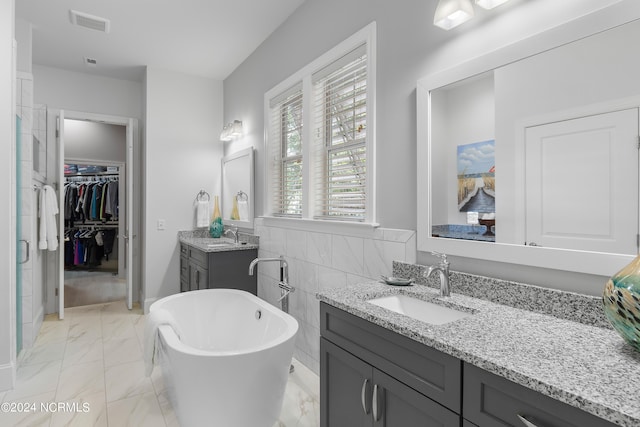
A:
<point x="92" y="287"/>
<point x="93" y="359"/>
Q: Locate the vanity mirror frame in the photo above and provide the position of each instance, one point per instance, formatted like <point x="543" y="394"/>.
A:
<point x="235" y="164"/>
<point x="589" y="262"/>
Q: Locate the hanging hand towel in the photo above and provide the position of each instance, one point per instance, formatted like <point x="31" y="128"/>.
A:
<point x="42" y="213"/>
<point x="243" y="208"/>
<point x="48" y="238"/>
<point x="202" y="213"/>
<point x="51" y="209"/>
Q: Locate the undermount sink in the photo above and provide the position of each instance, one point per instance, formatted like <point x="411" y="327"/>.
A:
<point x="218" y="245"/>
<point x="425" y="311"/>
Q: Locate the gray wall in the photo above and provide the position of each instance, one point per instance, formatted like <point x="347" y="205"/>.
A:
<point x="409" y="47"/>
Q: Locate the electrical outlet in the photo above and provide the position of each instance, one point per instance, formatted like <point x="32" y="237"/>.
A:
<point x="161" y="224"/>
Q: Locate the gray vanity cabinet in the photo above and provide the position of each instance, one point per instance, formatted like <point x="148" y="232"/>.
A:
<point x="370" y="376"/>
<point x="210" y="270"/>
<point x="363" y="365"/>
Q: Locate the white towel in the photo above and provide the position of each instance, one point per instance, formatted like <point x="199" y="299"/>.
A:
<point x="48" y="238"/>
<point x="243" y="209"/>
<point x="202" y="213"/>
<point x="151" y="336"/>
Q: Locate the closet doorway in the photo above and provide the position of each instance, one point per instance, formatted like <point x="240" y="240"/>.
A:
<point x="94" y="255"/>
<point x="95" y="164"/>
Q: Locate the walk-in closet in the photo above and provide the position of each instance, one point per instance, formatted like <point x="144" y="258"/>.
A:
<point x="93" y="209"/>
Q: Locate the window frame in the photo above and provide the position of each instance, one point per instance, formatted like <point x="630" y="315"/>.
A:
<point x="366" y="37"/>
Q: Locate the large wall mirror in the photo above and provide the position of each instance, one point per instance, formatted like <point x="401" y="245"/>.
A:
<point x="532" y="151"/>
<point x="237" y="189"/>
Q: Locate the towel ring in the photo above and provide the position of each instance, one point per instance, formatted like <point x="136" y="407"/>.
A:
<point x="242" y="196"/>
<point x="201" y="194"/>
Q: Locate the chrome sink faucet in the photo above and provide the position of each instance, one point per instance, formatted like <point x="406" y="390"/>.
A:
<point x="234" y="232"/>
<point x="285" y="287"/>
<point x="443" y="269"/>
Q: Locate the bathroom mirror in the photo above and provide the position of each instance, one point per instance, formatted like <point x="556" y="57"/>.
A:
<point x="237" y="189"/>
<point x="545" y="132"/>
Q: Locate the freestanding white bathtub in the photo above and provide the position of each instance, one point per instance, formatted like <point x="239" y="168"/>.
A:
<point x="231" y="364"/>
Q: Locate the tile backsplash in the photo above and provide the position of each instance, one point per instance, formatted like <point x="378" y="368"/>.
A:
<point x="319" y="261"/>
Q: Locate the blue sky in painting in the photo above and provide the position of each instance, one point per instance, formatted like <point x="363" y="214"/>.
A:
<point x="476" y="158"/>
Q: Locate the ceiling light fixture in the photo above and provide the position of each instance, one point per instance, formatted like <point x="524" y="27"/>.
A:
<point x="451" y="13"/>
<point x="490" y="4"/>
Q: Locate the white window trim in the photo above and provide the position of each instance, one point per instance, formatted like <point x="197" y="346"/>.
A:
<point x="366" y="35"/>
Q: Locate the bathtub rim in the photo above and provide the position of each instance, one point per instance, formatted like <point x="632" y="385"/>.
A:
<point x="171" y="338"/>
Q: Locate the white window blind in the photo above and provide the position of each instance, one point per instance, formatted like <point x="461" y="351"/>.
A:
<point x="340" y="143"/>
<point x="285" y="136"/>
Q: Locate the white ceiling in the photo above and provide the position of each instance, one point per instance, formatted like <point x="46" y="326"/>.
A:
<point x="201" y="37"/>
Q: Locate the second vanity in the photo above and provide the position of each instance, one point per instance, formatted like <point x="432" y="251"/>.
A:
<point x="499" y="366"/>
<point x="207" y="263"/>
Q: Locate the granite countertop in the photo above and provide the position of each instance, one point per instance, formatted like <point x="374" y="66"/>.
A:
<point x="199" y="240"/>
<point x="585" y="366"/>
<point x="466" y="232"/>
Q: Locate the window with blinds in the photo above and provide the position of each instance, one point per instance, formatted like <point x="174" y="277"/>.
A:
<point x="286" y="152"/>
<point x="324" y="170"/>
<point x="340" y="146"/>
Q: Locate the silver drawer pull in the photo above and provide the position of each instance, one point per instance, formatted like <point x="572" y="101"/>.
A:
<point x="526" y="422"/>
<point x="365" y="407"/>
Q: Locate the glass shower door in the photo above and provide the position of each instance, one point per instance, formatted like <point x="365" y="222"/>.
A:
<point x="20" y="256"/>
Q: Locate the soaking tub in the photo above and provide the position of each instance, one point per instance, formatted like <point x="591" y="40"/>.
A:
<point x="230" y="366"/>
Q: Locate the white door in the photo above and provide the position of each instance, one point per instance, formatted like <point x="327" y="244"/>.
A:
<point x="131" y="126"/>
<point x="573" y="177"/>
<point x="61" y="214"/>
<point x="128" y="237"/>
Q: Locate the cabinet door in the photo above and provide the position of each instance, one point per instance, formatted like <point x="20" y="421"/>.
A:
<point x="230" y="269"/>
<point x="184" y="274"/>
<point x="396" y="404"/>
<point x="198" y="277"/>
<point x="346" y="385"/>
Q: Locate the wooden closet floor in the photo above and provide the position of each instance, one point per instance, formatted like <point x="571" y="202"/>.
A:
<point x="86" y="288"/>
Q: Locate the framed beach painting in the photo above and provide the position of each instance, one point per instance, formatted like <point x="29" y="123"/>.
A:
<point x="476" y="177"/>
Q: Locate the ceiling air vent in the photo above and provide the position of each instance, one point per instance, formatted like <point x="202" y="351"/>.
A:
<point x="90" y="62"/>
<point x="91" y="22"/>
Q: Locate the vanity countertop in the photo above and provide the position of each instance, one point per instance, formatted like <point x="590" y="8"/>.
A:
<point x="209" y="244"/>
<point x="588" y="367"/>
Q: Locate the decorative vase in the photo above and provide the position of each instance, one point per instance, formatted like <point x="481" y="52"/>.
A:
<point x="621" y="301"/>
<point x="216" y="228"/>
<point x="234" y="212"/>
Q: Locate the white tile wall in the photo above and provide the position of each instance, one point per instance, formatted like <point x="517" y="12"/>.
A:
<point x="319" y="261"/>
<point x="31" y="308"/>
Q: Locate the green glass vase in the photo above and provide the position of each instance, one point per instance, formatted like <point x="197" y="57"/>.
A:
<point x="621" y="301"/>
<point x="216" y="228"/>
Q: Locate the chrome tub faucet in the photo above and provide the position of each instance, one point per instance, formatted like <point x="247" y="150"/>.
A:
<point x="285" y="287"/>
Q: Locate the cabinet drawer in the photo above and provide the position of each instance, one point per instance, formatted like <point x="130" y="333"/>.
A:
<point x="198" y="256"/>
<point x="431" y="372"/>
<point x="184" y="251"/>
<point x="490" y="400"/>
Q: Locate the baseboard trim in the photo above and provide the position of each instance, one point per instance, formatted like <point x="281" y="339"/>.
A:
<point x="147" y="304"/>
